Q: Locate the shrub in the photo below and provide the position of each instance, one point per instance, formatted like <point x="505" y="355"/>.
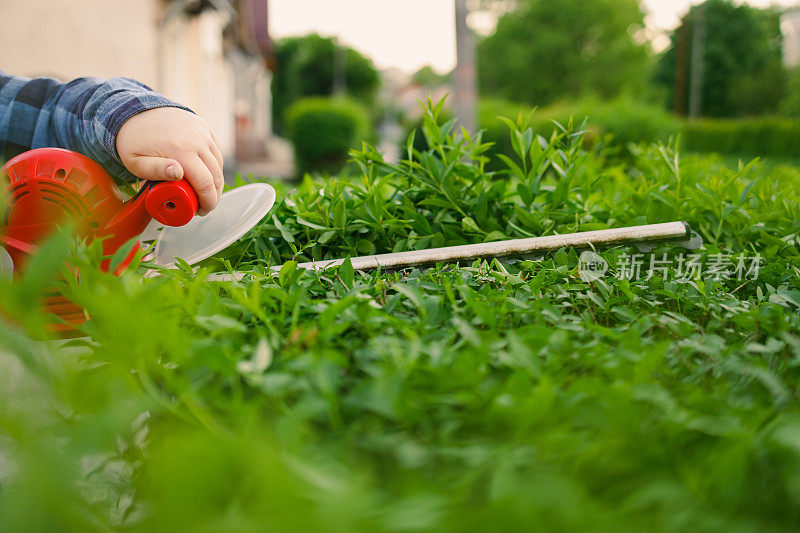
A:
<point x="626" y="119"/>
<point x="618" y="122"/>
<point x="444" y="197"/>
<point x="622" y="121"/>
<point x="307" y="68"/>
<point x="495" y="130"/>
<point x="322" y="131"/>
<point x="768" y="136"/>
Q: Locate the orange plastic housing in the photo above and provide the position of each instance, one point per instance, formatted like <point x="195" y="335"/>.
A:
<point x="49" y="187"/>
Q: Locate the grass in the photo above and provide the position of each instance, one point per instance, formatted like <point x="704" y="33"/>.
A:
<point x="509" y="396"/>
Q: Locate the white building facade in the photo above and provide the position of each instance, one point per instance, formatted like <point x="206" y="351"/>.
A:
<point x="195" y="52"/>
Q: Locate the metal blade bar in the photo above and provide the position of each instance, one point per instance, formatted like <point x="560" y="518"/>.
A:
<point x="668" y="231"/>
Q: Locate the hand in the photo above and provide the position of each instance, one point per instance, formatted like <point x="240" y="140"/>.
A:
<point x="167" y="144"/>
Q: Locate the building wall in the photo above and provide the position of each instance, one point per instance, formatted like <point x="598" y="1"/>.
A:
<point x="71" y="38"/>
<point x="182" y="58"/>
<point x="195" y="72"/>
<point x="253" y="102"/>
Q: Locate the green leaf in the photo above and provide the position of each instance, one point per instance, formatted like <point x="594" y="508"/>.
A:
<point x="365" y="247"/>
<point x="468" y="224"/>
<point x="310" y="224"/>
<point x="347" y="273"/>
<point x="122" y="253"/>
<point x="260" y="360"/>
<point x="529" y="220"/>
<point x="326" y="237"/>
<point x="513" y="167"/>
<point x="286" y="273"/>
<point x="220" y="324"/>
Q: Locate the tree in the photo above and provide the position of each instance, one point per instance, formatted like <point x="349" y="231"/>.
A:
<point x="427" y="77"/>
<point x="318" y="66"/>
<point x="790" y="105"/>
<point x="547" y="50"/>
<point x="740" y="60"/>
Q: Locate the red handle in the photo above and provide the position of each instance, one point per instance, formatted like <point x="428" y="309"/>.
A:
<point x="173" y="203"/>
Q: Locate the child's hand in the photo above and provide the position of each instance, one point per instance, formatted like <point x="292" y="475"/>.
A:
<point x="167" y="144"/>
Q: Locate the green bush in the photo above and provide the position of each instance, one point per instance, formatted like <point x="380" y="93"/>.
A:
<point x="627" y="120"/>
<point x="769" y="136"/>
<point x="322" y="131"/>
<point x="307" y="67"/>
<point x="617" y="122"/>
<point x="501" y="396"/>
<point x="622" y="121"/>
<point x="496" y="131"/>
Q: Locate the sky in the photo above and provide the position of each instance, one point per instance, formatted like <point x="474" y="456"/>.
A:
<point x="409" y="34"/>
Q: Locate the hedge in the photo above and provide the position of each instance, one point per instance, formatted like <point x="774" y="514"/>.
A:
<point x="322" y="131"/>
<point x="623" y="121"/>
<point x="767" y="136"/>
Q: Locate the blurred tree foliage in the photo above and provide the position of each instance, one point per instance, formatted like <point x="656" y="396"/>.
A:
<point x="310" y="65"/>
<point x="428" y="77"/>
<point x="742" y="69"/>
<point x="548" y="50"/>
<point x="790" y="105"/>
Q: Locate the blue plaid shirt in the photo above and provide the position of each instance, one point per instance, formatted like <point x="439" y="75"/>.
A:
<point x="83" y="115"/>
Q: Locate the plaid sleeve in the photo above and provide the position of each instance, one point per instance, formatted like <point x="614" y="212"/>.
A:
<point x="83" y="115"/>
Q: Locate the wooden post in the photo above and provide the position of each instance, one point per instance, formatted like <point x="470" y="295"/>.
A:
<point x="464" y="91"/>
<point x="698" y="52"/>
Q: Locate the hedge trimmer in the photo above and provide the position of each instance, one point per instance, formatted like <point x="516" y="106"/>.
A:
<point x="49" y="187"/>
<point x="644" y="237"/>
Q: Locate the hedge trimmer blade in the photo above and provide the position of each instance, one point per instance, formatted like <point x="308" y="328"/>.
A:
<point x="237" y="212"/>
<point x="6" y="264"/>
<point x="644" y="237"/>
